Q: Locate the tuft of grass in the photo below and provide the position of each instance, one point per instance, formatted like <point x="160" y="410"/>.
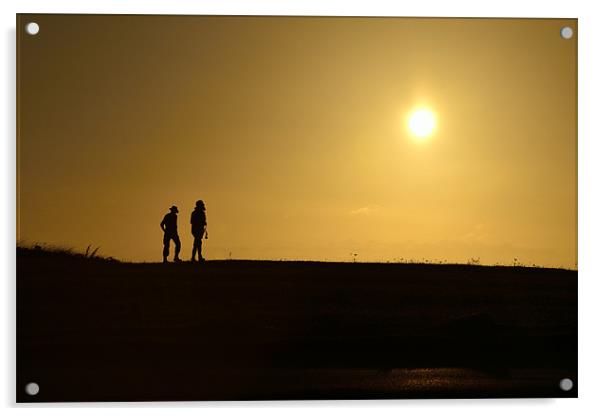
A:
<point x="93" y="254"/>
<point x="49" y="249"/>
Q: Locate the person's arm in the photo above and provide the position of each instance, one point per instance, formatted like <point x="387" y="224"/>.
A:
<point x="162" y="225"/>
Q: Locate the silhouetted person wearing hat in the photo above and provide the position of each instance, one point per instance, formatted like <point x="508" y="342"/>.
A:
<point x="198" y="223"/>
<point x="169" y="225"/>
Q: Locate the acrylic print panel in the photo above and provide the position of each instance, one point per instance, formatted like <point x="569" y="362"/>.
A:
<point x="237" y="207"/>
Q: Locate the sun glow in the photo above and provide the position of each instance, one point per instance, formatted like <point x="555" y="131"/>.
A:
<point x="422" y="123"/>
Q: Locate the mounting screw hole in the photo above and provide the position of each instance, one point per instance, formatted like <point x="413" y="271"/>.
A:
<point x="566" y="384"/>
<point x="566" y="32"/>
<point x="32" y="389"/>
<point x="32" y="28"/>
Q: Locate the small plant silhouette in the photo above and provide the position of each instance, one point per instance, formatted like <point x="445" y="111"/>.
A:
<point x="91" y="254"/>
<point x="474" y="261"/>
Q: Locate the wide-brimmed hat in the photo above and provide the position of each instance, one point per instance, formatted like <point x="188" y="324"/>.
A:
<point x="200" y="203"/>
<point x="174" y="208"/>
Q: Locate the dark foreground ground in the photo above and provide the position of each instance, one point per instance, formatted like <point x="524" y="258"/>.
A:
<point x="93" y="330"/>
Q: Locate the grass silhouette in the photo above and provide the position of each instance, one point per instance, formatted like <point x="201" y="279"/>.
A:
<point x="37" y="249"/>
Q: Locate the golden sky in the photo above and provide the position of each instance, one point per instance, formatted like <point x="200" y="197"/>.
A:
<point x="293" y="131"/>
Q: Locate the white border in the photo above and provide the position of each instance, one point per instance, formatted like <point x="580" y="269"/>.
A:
<point x="590" y="206"/>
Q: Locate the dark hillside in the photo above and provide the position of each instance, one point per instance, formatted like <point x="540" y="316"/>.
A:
<point x="94" y="330"/>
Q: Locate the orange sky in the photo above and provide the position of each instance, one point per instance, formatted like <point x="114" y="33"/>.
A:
<point x="292" y="129"/>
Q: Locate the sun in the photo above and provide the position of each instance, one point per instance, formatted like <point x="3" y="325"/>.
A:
<point x="422" y="123"/>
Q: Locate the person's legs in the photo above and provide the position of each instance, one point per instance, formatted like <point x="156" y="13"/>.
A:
<point x="165" y="247"/>
<point x="176" y="240"/>
<point x="201" y="247"/>
<point x="195" y="245"/>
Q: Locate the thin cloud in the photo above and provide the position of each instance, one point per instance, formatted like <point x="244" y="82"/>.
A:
<point x="367" y="210"/>
<point x="477" y="234"/>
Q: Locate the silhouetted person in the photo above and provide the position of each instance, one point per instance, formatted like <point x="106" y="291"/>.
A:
<point x="169" y="225"/>
<point x="198" y="225"/>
